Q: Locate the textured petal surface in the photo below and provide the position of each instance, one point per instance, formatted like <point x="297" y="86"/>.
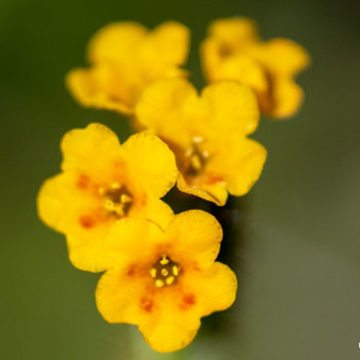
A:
<point x="241" y="165"/>
<point x="152" y="161"/>
<point x="232" y="109"/>
<point x="205" y="188"/>
<point x="170" y="108"/>
<point x="134" y="240"/>
<point x="69" y="209"/>
<point x="57" y="194"/>
<point x="195" y="235"/>
<point x="214" y="288"/>
<point x="92" y="149"/>
<point x="171" y="329"/>
<point x="118" y="297"/>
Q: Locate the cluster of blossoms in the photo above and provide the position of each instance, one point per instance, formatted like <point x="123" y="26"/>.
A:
<point x="160" y="269"/>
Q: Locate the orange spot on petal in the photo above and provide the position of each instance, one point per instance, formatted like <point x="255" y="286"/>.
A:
<point x="131" y="270"/>
<point x="147" y="304"/>
<point x="86" y="221"/>
<point x="188" y="301"/>
<point x="118" y="164"/>
<point x="214" y="179"/>
<point x="82" y="182"/>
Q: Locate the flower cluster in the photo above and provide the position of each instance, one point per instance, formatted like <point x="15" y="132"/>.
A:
<point x="160" y="269"/>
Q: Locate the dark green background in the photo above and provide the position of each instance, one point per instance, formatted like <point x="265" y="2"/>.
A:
<point x="299" y="275"/>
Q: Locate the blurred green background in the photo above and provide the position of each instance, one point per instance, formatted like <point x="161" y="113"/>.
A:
<point x="299" y="269"/>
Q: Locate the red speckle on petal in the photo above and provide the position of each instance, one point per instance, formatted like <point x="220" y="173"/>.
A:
<point x="147" y="304"/>
<point x="214" y="179"/>
<point x="82" y="182"/>
<point x="188" y="301"/>
<point x="131" y="271"/>
<point x="86" y="221"/>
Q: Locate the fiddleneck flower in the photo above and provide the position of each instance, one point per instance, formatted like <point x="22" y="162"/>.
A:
<point x="208" y="134"/>
<point x="101" y="182"/>
<point x="165" y="280"/>
<point x="233" y="50"/>
<point x="125" y="57"/>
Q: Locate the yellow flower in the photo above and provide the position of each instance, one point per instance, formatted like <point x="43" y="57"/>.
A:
<point x="207" y="135"/>
<point x="233" y="50"/>
<point x="101" y="182"/>
<point x="125" y="57"/>
<point x="164" y="281"/>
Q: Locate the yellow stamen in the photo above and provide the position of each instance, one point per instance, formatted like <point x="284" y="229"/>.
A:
<point x="164" y="260"/>
<point x="169" y="280"/>
<point x="153" y="273"/>
<point x="164" y="272"/>
<point x="159" y="283"/>
<point x="117" y="199"/>
<point x="175" y="270"/>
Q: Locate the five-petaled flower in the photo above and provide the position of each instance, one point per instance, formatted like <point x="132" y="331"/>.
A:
<point x="125" y="57"/>
<point x="233" y="50"/>
<point x="207" y="134"/>
<point x="165" y="280"/>
<point x="102" y="182"/>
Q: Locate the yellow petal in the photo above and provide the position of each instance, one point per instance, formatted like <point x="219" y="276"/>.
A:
<point x="165" y="48"/>
<point x="237" y="31"/>
<point x="243" y="69"/>
<point x="116" y="43"/>
<point x="120" y="297"/>
<point x="86" y="250"/>
<point x="156" y="211"/>
<point x="60" y="203"/>
<point x="100" y="88"/>
<point x="227" y="38"/>
<point x="196" y="236"/>
<point x="174" y="111"/>
<point x="171" y="329"/>
<point x="65" y="207"/>
<point x="152" y="161"/>
<point x="240" y="164"/>
<point x="133" y="240"/>
<point x="282" y="56"/>
<point x="286" y="99"/>
<point x="175" y="322"/>
<point x="126" y="298"/>
<point x="214" y="288"/>
<point x="232" y="109"/>
<point x="93" y="150"/>
<point x="215" y="192"/>
<point x="169" y="107"/>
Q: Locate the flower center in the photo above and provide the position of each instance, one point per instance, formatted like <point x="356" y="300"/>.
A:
<point x="196" y="157"/>
<point x="225" y="50"/>
<point x="164" y="272"/>
<point x="117" y="199"/>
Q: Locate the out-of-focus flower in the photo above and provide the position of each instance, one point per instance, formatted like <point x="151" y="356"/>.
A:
<point x="207" y="135"/>
<point x="125" y="57"/>
<point x="101" y="182"/>
<point x="233" y="50"/>
<point x="164" y="281"/>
